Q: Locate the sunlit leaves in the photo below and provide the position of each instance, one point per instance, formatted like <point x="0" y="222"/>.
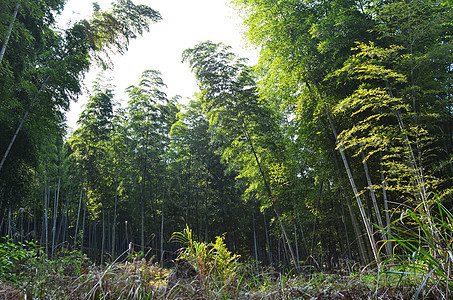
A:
<point x="111" y="31"/>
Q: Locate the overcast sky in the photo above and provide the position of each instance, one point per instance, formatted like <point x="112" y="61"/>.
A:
<point x="185" y="23"/>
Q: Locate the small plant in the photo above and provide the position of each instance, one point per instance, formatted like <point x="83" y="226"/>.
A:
<point x="425" y="253"/>
<point x="13" y="256"/>
<point x="215" y="266"/>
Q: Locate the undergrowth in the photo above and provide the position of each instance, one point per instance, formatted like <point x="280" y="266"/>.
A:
<point x="423" y="253"/>
<point x="211" y="271"/>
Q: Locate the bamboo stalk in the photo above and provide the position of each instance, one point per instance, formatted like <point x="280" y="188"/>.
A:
<point x="8" y="34"/>
<point x="21" y="124"/>
<point x="365" y="219"/>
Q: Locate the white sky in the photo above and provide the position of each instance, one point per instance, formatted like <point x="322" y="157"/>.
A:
<point x="185" y="23"/>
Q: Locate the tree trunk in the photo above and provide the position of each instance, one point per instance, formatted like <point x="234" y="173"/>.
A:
<point x="55" y="215"/>
<point x="162" y="224"/>
<point x="302" y="234"/>
<point x="114" y="219"/>
<point x="8" y="34"/>
<point x="365" y="219"/>
<point x="20" y="125"/>
<point x="10" y="231"/>
<point x="269" y="193"/>
<point x="316" y="218"/>
<point x="268" y="243"/>
<point x="343" y="219"/>
<point x="296" y="242"/>
<point x="46" y="215"/>
<point x="103" y="237"/>
<point x="3" y="232"/>
<point x="78" y="215"/>
<point x="355" y="224"/>
<point x="82" y="236"/>
<point x="386" y="203"/>
<point x="142" y="227"/>
<point x="62" y="228"/>
<point x="255" y="246"/>
<point x="375" y="204"/>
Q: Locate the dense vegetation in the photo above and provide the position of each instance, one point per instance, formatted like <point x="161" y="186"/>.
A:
<point x="335" y="152"/>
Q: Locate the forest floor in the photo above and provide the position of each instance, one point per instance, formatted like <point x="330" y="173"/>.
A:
<point x="76" y="278"/>
<point x="211" y="272"/>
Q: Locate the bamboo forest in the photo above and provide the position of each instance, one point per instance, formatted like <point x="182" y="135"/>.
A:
<point x="323" y="171"/>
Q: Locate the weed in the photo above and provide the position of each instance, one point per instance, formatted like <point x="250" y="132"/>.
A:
<point x="13" y="256"/>
<point x="215" y="266"/>
<point x="423" y="253"/>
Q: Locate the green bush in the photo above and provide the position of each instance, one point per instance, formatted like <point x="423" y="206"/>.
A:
<point x="13" y="257"/>
<point x="216" y="267"/>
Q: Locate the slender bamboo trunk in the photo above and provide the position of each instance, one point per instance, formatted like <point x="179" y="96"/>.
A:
<point x="35" y="221"/>
<point x="108" y="242"/>
<point x="21" y="124"/>
<point x="355" y="224"/>
<point x="113" y="236"/>
<point x="296" y="241"/>
<point x="343" y="219"/>
<point x="268" y="242"/>
<point x="127" y="236"/>
<point x="255" y="246"/>
<point x="206" y="216"/>
<point x="55" y="215"/>
<point x="142" y="197"/>
<point x="21" y="221"/>
<point x="8" y="34"/>
<point x="365" y="219"/>
<point x="386" y="202"/>
<point x="90" y="240"/>
<point x="316" y="218"/>
<point x="142" y="213"/>
<point x="162" y="224"/>
<point x="10" y="227"/>
<point x="2" y="232"/>
<point x="269" y="192"/>
<point x="114" y="219"/>
<point x="142" y="227"/>
<point x="64" y="222"/>
<point x="46" y="217"/>
<point x="302" y="234"/>
<point x="103" y="237"/>
<point x="375" y="204"/>
<point x="82" y="236"/>
<point x="78" y="215"/>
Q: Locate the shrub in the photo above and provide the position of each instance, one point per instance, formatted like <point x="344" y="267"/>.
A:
<point x="216" y="267"/>
<point x="13" y="256"/>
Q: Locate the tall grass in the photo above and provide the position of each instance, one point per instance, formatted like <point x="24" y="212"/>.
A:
<point x="423" y="249"/>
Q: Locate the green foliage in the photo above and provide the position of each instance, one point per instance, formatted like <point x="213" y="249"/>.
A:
<point x="215" y="265"/>
<point x="53" y="278"/>
<point x="424" y="248"/>
<point x="13" y="256"/>
<point x="111" y="31"/>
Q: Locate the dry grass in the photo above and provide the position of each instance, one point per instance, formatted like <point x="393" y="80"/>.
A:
<point x="206" y="271"/>
<point x="139" y="279"/>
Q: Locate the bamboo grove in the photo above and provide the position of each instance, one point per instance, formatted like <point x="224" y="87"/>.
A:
<point x="309" y="158"/>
